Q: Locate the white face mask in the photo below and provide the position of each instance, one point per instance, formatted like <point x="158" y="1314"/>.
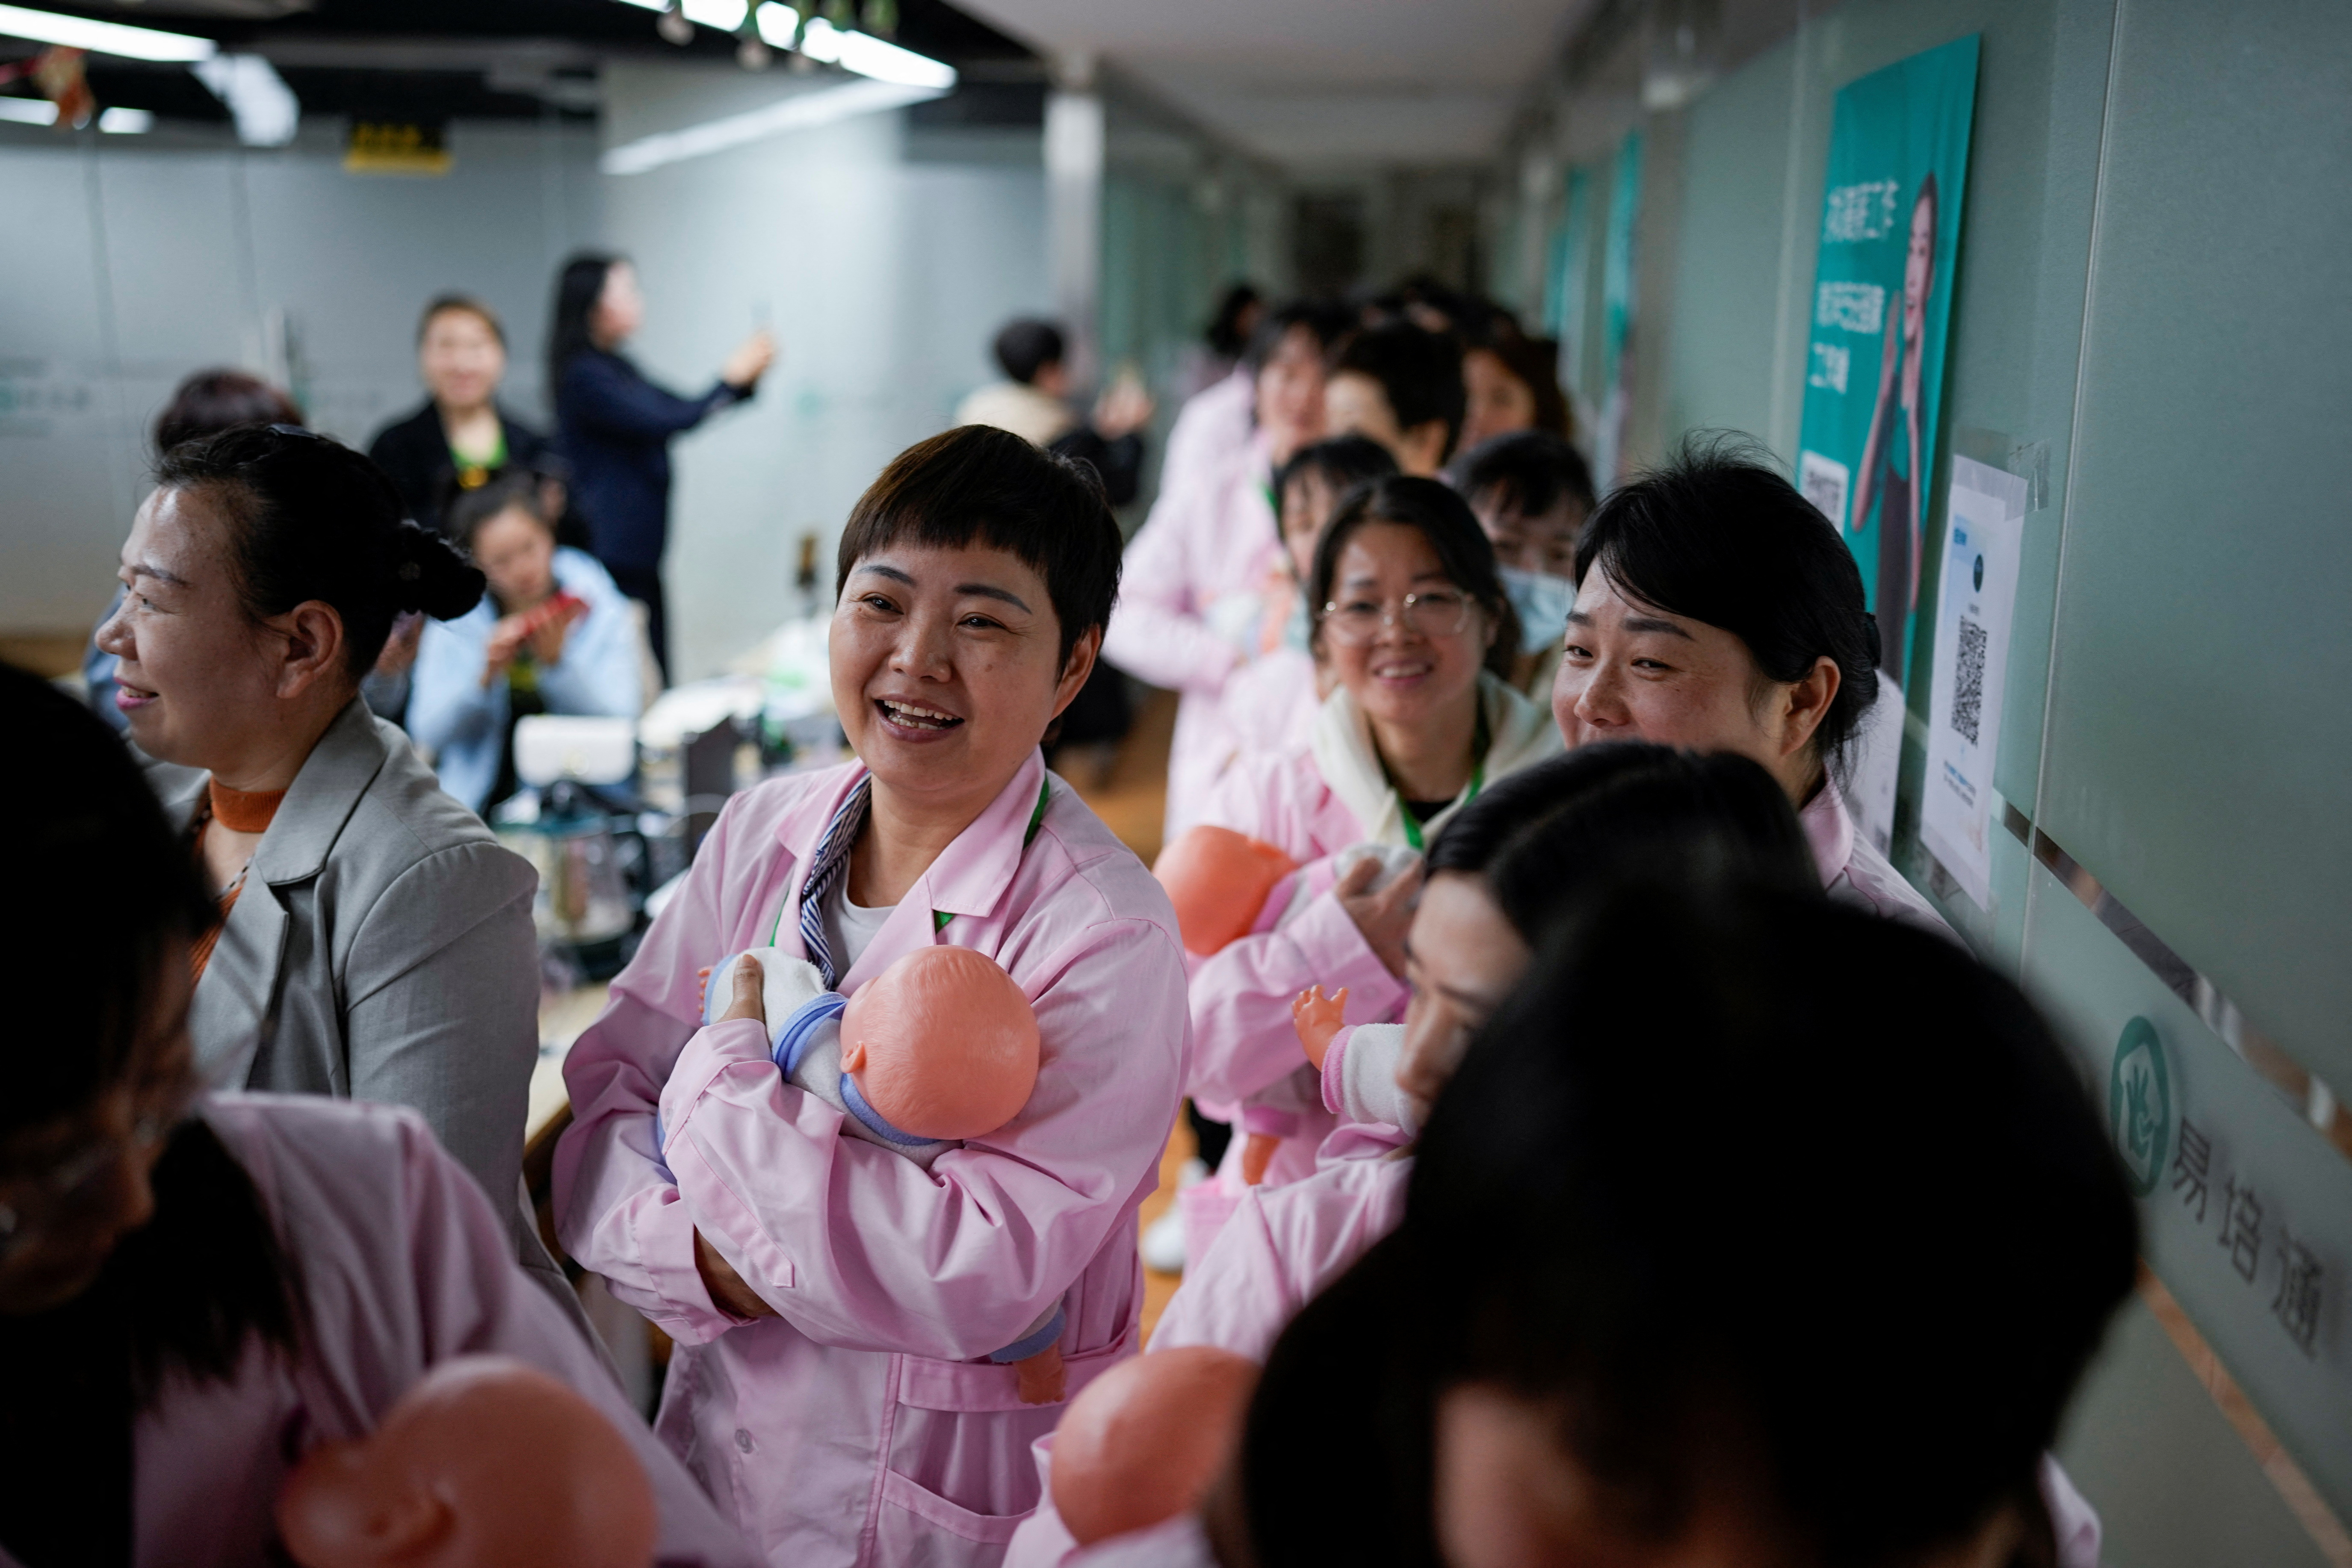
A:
<point x="1542" y="601"/>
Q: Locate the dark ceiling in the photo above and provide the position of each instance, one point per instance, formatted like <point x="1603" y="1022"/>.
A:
<point x="430" y="61"/>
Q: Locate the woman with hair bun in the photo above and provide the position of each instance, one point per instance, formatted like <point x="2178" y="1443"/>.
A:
<point x="370" y="940"/>
<point x="1716" y="608"/>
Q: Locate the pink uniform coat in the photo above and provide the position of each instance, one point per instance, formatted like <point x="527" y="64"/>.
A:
<point x="1855" y="873"/>
<point x="861" y="1424"/>
<point x="1214" y="423"/>
<point x="1204" y="542"/>
<point x="1312" y="804"/>
<point x="401" y="1264"/>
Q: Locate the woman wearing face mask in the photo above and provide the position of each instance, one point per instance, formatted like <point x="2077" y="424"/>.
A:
<point x="615" y="425"/>
<point x="195" y="1289"/>
<point x="461" y="439"/>
<point x="1212" y="536"/>
<point x="552" y="635"/>
<point x="372" y="939"/>
<point x="832" y="1304"/>
<point x="1410" y="615"/>
<point x="1716" y="608"/>
<point x="1532" y="492"/>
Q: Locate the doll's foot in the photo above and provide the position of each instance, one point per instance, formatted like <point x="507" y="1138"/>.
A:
<point x="1041" y="1378"/>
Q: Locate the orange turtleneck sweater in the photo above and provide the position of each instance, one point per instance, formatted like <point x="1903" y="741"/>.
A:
<point x="239" y="811"/>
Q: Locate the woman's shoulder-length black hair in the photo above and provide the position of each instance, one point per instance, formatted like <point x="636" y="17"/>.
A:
<point x="1445" y="520"/>
<point x="977" y="484"/>
<point x="1717" y="534"/>
<point x="578" y="284"/>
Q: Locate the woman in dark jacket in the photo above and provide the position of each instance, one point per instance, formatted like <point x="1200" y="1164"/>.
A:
<point x="460" y="438"/>
<point x="615" y="425"/>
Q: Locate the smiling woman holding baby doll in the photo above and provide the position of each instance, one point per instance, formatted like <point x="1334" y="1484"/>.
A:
<point x="552" y="635"/>
<point x="839" y="1311"/>
<point x="1413" y="618"/>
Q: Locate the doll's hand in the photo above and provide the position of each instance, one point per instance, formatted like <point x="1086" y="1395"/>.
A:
<point x="1317" y="1018"/>
<point x="1041" y="1378"/>
<point x="702" y="990"/>
<point x="1257" y="1153"/>
<point x="745" y="1001"/>
<point x="726" y="1287"/>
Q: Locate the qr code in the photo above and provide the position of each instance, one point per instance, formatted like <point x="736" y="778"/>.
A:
<point x="1967" y="701"/>
<point x="1823" y="481"/>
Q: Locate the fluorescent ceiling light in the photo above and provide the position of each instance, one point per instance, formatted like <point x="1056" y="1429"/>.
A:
<point x="724" y="15"/>
<point x="104" y="37"/>
<point x="264" y="108"/>
<point x="651" y="4"/>
<point x="795" y="113"/>
<point x="28" y="110"/>
<point x="126" y="121"/>
<point x="869" y="56"/>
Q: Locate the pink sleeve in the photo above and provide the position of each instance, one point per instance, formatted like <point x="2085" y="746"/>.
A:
<point x="472" y="1299"/>
<point x="1043" y="1541"/>
<point x="1157" y="632"/>
<point x="1237" y="1297"/>
<point x="2074" y="1523"/>
<point x="1243" y="1038"/>
<point x="616" y="1212"/>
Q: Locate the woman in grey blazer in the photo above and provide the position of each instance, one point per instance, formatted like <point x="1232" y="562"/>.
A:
<point x="376" y="942"/>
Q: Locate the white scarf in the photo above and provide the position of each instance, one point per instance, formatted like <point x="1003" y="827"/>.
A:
<point x="1518" y="732"/>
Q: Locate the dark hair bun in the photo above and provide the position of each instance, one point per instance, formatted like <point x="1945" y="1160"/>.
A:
<point x="431" y="576"/>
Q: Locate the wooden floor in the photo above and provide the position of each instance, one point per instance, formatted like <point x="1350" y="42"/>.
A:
<point x="1132" y="797"/>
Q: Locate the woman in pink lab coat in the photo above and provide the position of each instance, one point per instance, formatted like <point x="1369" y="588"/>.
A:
<point x="1501" y="873"/>
<point x="832" y="1304"/>
<point x="1212" y="538"/>
<point x="1717" y="609"/>
<point x="1410" y="613"/>
<point x="196" y="1291"/>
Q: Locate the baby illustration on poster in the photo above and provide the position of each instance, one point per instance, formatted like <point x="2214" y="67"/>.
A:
<point x="1890" y="228"/>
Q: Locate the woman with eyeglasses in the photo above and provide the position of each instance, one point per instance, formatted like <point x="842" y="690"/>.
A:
<point x="1410" y="613"/>
<point x="195" y="1291"/>
<point x="369" y="938"/>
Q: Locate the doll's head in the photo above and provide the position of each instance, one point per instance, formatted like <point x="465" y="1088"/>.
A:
<point x="486" y="1463"/>
<point x="1218" y="880"/>
<point x="1143" y="1441"/>
<point x="943" y="1044"/>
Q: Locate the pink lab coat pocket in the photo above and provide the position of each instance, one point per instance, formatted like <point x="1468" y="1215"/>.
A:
<point x="961" y="1470"/>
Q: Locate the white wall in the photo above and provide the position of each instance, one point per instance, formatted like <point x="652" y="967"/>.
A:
<point x="884" y="260"/>
<point x="129" y="262"/>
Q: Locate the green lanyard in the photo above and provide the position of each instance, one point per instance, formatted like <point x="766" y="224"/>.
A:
<point x="939" y="918"/>
<point x="1412" y="828"/>
<point x="1482" y="741"/>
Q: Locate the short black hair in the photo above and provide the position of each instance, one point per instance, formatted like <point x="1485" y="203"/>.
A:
<point x="1528" y="471"/>
<point x="1341" y="462"/>
<point x="1419" y="371"/>
<point x="1718" y="534"/>
<point x="1445" y="520"/>
<point x="1323" y="320"/>
<point x="442" y="304"/>
<point x="1542" y="838"/>
<point x="979" y="484"/>
<point x="514" y="489"/>
<point x="310" y="518"/>
<point x="1681" y="1175"/>
<point x="212" y="401"/>
<point x="1235" y="306"/>
<point x="1026" y="345"/>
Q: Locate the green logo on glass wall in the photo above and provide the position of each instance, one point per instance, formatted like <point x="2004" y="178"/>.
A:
<point x="2140" y="1105"/>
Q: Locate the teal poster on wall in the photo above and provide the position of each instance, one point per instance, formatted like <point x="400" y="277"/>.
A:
<point x="1882" y="301"/>
<point x="1617" y="302"/>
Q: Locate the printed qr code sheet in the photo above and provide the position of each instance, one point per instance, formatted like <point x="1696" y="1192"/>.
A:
<point x="1968" y="690"/>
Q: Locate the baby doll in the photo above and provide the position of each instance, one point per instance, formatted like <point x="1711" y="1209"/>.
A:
<point x="486" y="1463"/>
<point x="1226" y="887"/>
<point x="939" y="1046"/>
<point x="1145" y="1438"/>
